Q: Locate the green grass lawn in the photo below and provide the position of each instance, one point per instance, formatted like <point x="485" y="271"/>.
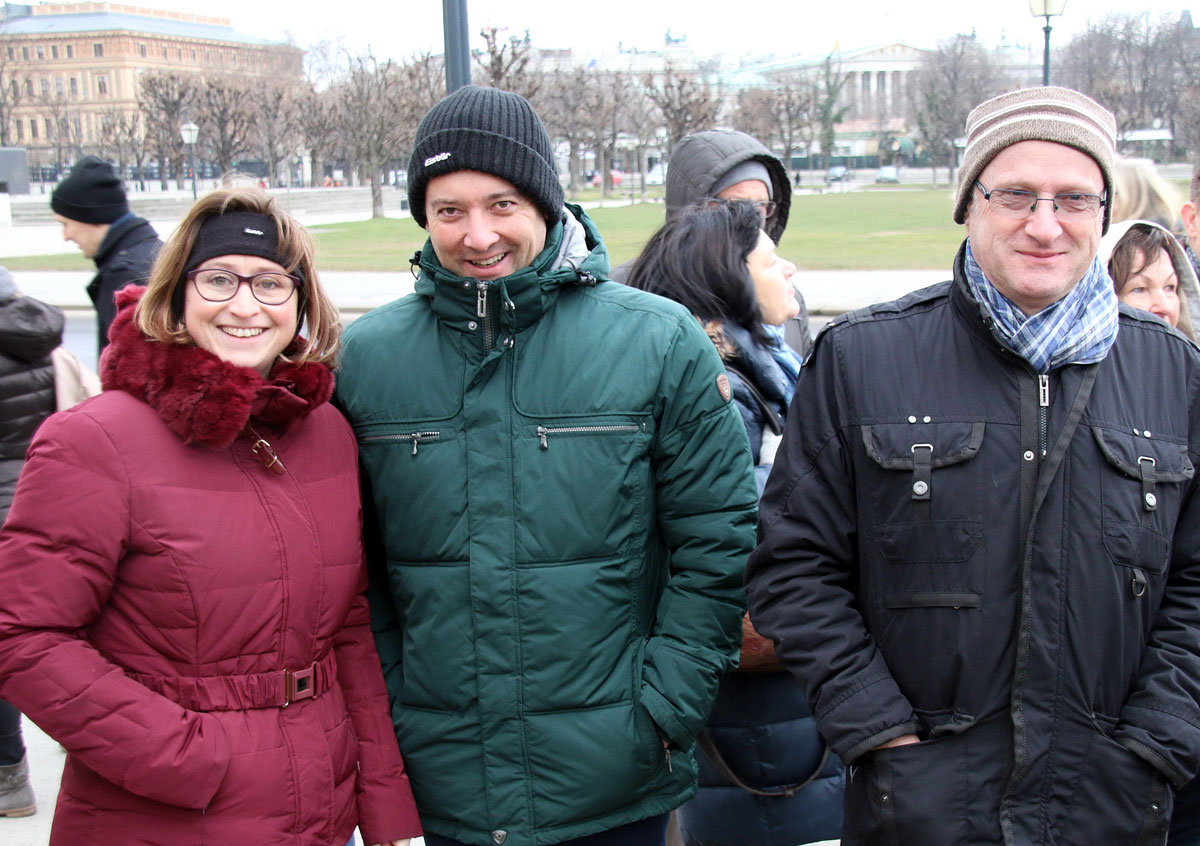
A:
<point x="873" y="230"/>
<point x="66" y="261"/>
<point x="897" y="229"/>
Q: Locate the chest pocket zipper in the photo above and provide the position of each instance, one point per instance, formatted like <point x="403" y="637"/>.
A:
<point x="544" y="432"/>
<point x="416" y="438"/>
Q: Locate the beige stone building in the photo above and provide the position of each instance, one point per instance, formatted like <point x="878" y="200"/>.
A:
<point x="71" y="67"/>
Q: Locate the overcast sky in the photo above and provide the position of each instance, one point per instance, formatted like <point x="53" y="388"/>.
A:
<point x="400" y="28"/>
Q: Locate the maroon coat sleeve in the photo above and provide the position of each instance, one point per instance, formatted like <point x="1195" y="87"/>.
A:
<point x="386" y="808"/>
<point x="61" y="549"/>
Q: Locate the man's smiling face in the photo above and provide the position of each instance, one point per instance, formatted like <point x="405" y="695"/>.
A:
<point x="481" y="226"/>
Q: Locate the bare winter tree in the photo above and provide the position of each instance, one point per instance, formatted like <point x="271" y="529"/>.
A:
<point x="164" y="97"/>
<point x="224" y="109"/>
<point x="65" y="128"/>
<point x="371" y="111"/>
<point x="276" y="134"/>
<point x="827" y="112"/>
<point x="950" y="81"/>
<point x="1181" y="45"/>
<point x="505" y="63"/>
<point x="422" y="81"/>
<point x="755" y="113"/>
<point x="1141" y="71"/>
<point x="124" y="132"/>
<point x="687" y="102"/>
<point x="603" y="103"/>
<point x="1107" y="62"/>
<point x="318" y="121"/>
<point x="641" y="118"/>
<point x="564" y="109"/>
<point x="794" y="111"/>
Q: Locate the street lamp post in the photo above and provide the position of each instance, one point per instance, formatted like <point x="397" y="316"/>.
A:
<point x="1046" y="9"/>
<point x="190" y="132"/>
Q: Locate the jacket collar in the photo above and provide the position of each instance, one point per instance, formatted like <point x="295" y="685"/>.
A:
<point x="574" y="255"/>
<point x="201" y="398"/>
<point x="127" y="224"/>
<point x="738" y="348"/>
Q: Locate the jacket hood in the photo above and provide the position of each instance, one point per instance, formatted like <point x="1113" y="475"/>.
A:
<point x="1189" y="287"/>
<point x="574" y="255"/>
<point x="700" y="159"/>
<point x="201" y="398"/>
<point x="29" y="329"/>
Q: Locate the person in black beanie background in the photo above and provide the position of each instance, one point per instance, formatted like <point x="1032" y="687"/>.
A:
<point x="91" y="206"/>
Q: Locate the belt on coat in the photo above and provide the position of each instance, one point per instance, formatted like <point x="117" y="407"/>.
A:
<point x="274" y="689"/>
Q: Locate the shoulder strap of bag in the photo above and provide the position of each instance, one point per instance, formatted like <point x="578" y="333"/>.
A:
<point x="705" y="742"/>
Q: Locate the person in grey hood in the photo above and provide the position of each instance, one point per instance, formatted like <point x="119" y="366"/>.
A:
<point x="727" y="165"/>
<point x="29" y="332"/>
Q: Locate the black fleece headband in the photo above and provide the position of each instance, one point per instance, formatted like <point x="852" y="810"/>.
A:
<point x="236" y="234"/>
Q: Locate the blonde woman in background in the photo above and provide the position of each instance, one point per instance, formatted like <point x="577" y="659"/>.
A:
<point x="1139" y="193"/>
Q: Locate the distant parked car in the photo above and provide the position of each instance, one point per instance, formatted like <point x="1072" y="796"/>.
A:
<point x="617" y="176"/>
<point x="888" y="173"/>
<point x="837" y="173"/>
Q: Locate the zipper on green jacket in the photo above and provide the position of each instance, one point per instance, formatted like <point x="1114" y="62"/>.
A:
<point x="415" y="437"/>
<point x="544" y="432"/>
<point x="481" y="311"/>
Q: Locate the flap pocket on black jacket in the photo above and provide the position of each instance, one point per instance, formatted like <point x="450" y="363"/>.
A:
<point x="894" y="445"/>
<point x="1133" y="454"/>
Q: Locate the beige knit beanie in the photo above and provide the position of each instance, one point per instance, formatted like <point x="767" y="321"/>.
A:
<point x="1036" y="114"/>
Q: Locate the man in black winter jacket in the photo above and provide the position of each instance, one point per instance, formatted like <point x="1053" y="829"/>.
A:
<point x="90" y="204"/>
<point x="979" y="549"/>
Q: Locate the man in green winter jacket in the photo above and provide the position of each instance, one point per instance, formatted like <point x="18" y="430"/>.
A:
<point x="559" y="505"/>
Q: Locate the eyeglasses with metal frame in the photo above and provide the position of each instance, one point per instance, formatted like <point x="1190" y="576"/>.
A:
<point x="218" y="285"/>
<point x="1017" y="204"/>
<point x="767" y="209"/>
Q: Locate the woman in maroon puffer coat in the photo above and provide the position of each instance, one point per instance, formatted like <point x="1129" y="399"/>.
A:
<point x="184" y="606"/>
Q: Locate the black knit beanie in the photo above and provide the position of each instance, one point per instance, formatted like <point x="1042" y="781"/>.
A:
<point x="492" y="131"/>
<point x="91" y="193"/>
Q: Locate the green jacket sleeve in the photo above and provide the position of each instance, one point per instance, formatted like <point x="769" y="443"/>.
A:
<point x="705" y="495"/>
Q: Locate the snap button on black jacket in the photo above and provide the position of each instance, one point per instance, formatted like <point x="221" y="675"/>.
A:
<point x="936" y="559"/>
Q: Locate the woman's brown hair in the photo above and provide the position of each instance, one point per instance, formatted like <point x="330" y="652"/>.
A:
<point x="159" y="314"/>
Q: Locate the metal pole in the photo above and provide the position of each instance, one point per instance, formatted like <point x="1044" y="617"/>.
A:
<point x="458" y="53"/>
<point x="1046" y="58"/>
<point x="192" y="166"/>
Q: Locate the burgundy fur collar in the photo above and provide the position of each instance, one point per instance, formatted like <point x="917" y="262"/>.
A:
<point x="201" y="398"/>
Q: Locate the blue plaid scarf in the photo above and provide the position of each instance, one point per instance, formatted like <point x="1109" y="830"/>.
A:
<point x="786" y="358"/>
<point x="1078" y="329"/>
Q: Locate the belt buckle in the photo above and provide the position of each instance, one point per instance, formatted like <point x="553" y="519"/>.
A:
<point x="298" y="685"/>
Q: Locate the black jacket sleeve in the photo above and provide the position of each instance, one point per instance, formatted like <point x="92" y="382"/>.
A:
<point x="801" y="579"/>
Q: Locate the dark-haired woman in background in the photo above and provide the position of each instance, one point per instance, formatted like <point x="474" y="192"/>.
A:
<point x="766" y="776"/>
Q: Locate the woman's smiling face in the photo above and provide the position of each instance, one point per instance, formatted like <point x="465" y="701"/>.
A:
<point x="241" y="330"/>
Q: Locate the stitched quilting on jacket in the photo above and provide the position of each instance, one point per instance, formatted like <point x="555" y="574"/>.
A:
<point x="161" y="579"/>
<point x="1054" y="683"/>
<point x="543" y="451"/>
